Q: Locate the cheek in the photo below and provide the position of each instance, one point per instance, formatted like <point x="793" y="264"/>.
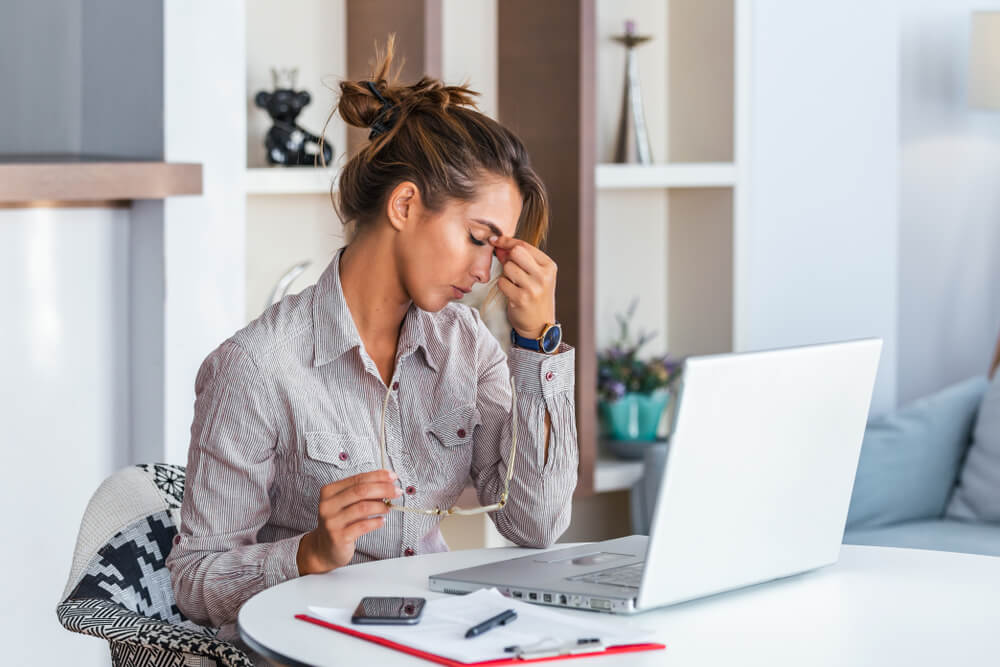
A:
<point x="447" y="256"/>
<point x="435" y="261"/>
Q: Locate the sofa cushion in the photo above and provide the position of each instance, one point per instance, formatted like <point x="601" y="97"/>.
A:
<point x="977" y="496"/>
<point x="937" y="534"/>
<point x="910" y="459"/>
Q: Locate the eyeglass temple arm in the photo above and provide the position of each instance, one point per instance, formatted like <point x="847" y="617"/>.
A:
<point x="510" y="463"/>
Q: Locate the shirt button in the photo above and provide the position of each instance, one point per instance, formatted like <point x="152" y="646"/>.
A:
<point x="461" y="432"/>
<point x="411" y="490"/>
<point x="343" y="456"/>
<point x="395" y="386"/>
<point x="409" y="552"/>
<point x="549" y="375"/>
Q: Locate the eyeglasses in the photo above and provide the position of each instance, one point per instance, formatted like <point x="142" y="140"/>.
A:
<point x="437" y="511"/>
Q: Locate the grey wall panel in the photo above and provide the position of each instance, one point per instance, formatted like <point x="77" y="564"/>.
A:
<point x="40" y="44"/>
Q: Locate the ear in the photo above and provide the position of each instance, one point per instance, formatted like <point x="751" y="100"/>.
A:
<point x="302" y="98"/>
<point x="263" y="97"/>
<point x="403" y="206"/>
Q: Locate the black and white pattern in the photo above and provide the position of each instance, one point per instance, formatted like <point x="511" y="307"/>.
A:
<point x="129" y="570"/>
<point x="169" y="479"/>
<point x="125" y="596"/>
<point x="138" y="641"/>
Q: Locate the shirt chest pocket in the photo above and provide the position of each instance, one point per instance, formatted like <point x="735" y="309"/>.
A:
<point x="333" y="456"/>
<point x="447" y="442"/>
<point x="453" y="429"/>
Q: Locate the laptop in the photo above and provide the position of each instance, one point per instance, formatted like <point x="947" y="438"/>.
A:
<point x="758" y="478"/>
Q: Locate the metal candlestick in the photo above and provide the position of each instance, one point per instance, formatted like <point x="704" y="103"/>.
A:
<point x="633" y="140"/>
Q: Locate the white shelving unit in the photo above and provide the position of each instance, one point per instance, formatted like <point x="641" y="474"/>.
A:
<point x="692" y="175"/>
<point x="290" y="180"/>
<point x="669" y="231"/>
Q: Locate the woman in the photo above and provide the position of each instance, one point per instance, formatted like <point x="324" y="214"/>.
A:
<point x="342" y="424"/>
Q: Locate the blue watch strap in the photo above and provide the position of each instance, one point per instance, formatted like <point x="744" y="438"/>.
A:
<point x="526" y="343"/>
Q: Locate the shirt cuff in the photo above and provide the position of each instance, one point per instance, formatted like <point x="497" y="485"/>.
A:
<point x="281" y="562"/>
<point x="540" y="373"/>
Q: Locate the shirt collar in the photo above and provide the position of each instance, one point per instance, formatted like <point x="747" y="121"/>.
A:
<point x="334" y="331"/>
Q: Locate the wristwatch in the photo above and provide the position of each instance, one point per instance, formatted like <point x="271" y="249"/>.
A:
<point x="547" y="343"/>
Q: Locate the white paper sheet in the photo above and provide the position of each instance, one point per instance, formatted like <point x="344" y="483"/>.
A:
<point x="442" y="628"/>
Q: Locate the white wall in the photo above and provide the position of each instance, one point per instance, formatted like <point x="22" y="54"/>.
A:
<point x="203" y="237"/>
<point x="949" y="192"/>
<point x="820" y="239"/>
<point x="64" y="408"/>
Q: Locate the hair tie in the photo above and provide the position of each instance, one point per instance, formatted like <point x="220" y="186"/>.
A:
<point x="383" y="121"/>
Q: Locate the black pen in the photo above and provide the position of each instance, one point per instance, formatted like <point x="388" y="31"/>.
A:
<point x="503" y="618"/>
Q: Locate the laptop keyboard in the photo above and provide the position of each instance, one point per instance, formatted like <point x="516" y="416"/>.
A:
<point x="628" y="576"/>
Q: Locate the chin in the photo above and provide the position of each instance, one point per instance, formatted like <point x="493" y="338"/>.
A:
<point x="431" y="304"/>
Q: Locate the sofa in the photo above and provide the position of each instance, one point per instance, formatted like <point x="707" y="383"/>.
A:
<point x="910" y="463"/>
<point x="907" y="473"/>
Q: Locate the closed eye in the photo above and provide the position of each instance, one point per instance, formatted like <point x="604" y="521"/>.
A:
<point x="476" y="241"/>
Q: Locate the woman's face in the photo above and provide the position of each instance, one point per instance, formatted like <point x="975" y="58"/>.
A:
<point x="448" y="251"/>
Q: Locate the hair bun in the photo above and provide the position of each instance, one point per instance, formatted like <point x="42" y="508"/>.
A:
<point x="360" y="106"/>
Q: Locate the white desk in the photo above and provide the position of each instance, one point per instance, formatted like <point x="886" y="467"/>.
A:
<point x="876" y="606"/>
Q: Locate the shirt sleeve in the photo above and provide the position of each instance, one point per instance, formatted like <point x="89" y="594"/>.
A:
<point x="539" y="503"/>
<point x="216" y="563"/>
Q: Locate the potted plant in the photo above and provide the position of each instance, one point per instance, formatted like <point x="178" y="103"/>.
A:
<point x="632" y="392"/>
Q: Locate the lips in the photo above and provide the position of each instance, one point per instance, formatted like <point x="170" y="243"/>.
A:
<point x="460" y="292"/>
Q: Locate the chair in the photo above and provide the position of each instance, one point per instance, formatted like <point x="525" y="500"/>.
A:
<point x="119" y="588"/>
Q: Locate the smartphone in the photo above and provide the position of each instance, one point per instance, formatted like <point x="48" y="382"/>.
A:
<point x="389" y="611"/>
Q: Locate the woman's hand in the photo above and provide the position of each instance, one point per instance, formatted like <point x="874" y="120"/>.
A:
<point x="344" y="508"/>
<point x="529" y="283"/>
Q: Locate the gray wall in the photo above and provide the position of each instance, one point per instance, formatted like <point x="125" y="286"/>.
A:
<point x="82" y="77"/>
<point x="822" y="234"/>
<point x="40" y="77"/>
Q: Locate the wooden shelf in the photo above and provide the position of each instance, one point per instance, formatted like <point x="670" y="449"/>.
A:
<point x="678" y="175"/>
<point x="51" y="180"/>
<point x="290" y="180"/>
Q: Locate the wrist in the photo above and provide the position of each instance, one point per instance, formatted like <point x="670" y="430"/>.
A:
<point x="307" y="558"/>
<point x="530" y="333"/>
<point x="546" y="339"/>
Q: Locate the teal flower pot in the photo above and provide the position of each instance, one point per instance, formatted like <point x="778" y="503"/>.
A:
<point x="634" y="416"/>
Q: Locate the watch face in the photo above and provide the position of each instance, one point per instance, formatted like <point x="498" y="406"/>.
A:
<point x="552" y="338"/>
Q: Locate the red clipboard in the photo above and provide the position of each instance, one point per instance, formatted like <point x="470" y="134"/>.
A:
<point x="629" y="648"/>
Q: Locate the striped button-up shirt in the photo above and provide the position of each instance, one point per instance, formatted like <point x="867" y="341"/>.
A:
<point x="293" y="402"/>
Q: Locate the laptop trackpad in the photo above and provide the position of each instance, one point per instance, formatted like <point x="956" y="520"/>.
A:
<point x="596" y="558"/>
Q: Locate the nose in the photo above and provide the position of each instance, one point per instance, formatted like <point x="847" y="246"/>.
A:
<point x="481" y="267"/>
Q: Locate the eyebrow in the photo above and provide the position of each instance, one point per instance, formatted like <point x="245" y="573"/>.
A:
<point x="493" y="227"/>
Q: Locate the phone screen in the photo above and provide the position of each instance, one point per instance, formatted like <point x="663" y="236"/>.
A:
<point x="388" y="610"/>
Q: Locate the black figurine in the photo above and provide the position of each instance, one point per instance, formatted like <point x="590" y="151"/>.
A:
<point x="287" y="143"/>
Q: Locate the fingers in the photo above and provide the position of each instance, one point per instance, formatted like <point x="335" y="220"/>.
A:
<point x="522" y="252"/>
<point x="338" y="520"/>
<point x="516" y="274"/>
<point x="350" y="508"/>
<point x="361" y="511"/>
<point x="359" y="528"/>
<point x="509" y="289"/>
<point x="363" y="492"/>
<point x="333" y="488"/>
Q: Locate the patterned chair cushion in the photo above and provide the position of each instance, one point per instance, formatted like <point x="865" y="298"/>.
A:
<point x="119" y="587"/>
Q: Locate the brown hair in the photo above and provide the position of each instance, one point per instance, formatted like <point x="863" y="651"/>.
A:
<point x="438" y="140"/>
